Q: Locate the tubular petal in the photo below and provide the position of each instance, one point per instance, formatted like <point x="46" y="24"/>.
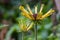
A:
<point x="23" y="27"/>
<point x="29" y="9"/>
<point x="39" y="16"/>
<point x="23" y="10"/>
<point x="26" y="15"/>
<point x="35" y="9"/>
<point x="30" y="26"/>
<point x="32" y="17"/>
<point x="48" y="13"/>
<point x="41" y="8"/>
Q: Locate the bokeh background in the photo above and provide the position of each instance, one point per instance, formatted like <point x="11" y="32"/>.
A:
<point x="48" y="29"/>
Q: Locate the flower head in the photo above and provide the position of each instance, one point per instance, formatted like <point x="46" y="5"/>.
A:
<point x="24" y="27"/>
<point x="36" y="16"/>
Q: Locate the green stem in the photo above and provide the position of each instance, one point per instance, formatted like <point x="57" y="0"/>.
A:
<point x="22" y="35"/>
<point x="35" y="29"/>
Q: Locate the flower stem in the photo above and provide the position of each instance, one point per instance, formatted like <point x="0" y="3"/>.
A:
<point x="22" y="35"/>
<point x="35" y="29"/>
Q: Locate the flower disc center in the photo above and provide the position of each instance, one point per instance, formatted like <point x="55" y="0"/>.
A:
<point x="35" y="15"/>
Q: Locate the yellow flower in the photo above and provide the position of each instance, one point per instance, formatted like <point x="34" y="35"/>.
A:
<point x="24" y="27"/>
<point x="36" y="16"/>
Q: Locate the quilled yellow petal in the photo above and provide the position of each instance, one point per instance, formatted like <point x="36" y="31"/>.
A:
<point x="29" y="9"/>
<point x="48" y="13"/>
<point x="41" y="8"/>
<point x="35" y="9"/>
<point x="23" y="10"/>
<point x="30" y="26"/>
<point x="32" y="17"/>
<point x="26" y="15"/>
<point x="23" y="27"/>
<point x="39" y="16"/>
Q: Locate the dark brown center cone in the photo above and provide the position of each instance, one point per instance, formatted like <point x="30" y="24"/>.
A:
<point x="35" y="15"/>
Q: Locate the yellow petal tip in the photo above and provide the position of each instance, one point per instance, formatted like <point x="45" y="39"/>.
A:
<point x="21" y="7"/>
